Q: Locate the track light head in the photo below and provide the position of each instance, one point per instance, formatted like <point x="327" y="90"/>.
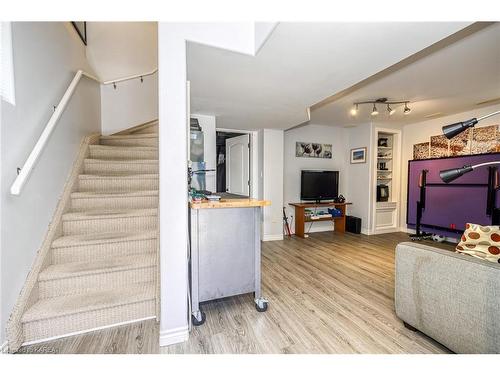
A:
<point x="374" y="110"/>
<point x="390" y="110"/>
<point x="354" y="110"/>
<point x="407" y="109"/>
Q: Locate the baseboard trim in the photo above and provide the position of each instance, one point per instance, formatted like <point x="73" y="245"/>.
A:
<point x="4" y="348"/>
<point x="174" y="336"/>
<point x="272" y="237"/>
<point x="87" y="331"/>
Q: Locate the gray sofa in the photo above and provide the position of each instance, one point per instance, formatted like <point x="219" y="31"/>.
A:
<point x="453" y="298"/>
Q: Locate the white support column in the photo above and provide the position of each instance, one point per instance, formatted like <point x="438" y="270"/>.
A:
<point x="173" y="139"/>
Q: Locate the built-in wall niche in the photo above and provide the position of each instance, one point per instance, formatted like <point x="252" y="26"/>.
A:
<point x="386" y="180"/>
<point x="385" y="155"/>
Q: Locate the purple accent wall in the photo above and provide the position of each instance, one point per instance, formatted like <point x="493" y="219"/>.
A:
<point x="446" y="205"/>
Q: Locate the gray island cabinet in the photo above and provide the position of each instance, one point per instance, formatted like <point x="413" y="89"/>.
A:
<point x="225" y="252"/>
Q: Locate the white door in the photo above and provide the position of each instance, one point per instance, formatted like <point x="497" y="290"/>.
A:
<point x="238" y="165"/>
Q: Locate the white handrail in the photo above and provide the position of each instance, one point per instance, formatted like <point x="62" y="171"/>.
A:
<point x="130" y="77"/>
<point x="25" y="171"/>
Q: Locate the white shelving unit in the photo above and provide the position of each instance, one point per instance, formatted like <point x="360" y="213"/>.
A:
<point x="386" y="164"/>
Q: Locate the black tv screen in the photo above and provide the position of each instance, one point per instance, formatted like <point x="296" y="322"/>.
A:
<point x="319" y="185"/>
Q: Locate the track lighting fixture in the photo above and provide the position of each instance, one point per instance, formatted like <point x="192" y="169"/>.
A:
<point x="390" y="110"/>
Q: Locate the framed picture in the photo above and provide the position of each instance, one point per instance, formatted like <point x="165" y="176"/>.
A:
<point x="358" y="155"/>
<point x="313" y="150"/>
<point x="81" y="29"/>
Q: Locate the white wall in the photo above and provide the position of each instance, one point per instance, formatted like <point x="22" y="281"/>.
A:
<point x="422" y="131"/>
<point x="46" y="57"/>
<point x="131" y="103"/>
<point x="208" y="125"/>
<point x="121" y="49"/>
<point x="338" y="137"/>
<point x="359" y="180"/>
<point x="173" y="138"/>
<point x="272" y="183"/>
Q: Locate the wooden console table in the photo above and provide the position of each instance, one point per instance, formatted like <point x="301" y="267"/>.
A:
<point x="300" y="216"/>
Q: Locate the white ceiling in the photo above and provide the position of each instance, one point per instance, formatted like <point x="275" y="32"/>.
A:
<point x="451" y="80"/>
<point x="299" y="65"/>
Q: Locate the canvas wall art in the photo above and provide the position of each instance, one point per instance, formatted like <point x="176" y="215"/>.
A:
<point x="461" y="144"/>
<point x="440" y="146"/>
<point x="484" y="140"/>
<point x="421" y="151"/>
<point x="474" y="141"/>
<point x="313" y="150"/>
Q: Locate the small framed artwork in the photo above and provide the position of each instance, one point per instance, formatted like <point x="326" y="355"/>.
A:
<point x="358" y="155"/>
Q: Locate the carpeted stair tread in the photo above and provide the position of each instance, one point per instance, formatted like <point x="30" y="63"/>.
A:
<point x="103" y="238"/>
<point x="121" y="161"/>
<point x="109" y="214"/>
<point x="121" y="148"/>
<point x="127" y="137"/>
<point x="98" y="300"/>
<point x="75" y="269"/>
<point x="113" y="194"/>
<point x="120" y="176"/>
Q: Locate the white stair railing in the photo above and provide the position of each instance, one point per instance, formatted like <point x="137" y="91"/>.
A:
<point x="29" y="164"/>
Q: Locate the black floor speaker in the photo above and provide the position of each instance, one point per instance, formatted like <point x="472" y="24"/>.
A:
<point x="353" y="224"/>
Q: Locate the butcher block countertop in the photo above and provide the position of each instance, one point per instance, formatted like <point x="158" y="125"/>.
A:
<point x="229" y="203"/>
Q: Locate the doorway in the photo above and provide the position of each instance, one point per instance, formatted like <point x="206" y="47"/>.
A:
<point x="233" y="163"/>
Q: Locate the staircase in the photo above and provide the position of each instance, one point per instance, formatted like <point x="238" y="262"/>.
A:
<point x="102" y="268"/>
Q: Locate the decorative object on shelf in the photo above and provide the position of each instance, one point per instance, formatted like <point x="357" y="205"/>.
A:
<point x="358" y="155"/>
<point x="453" y="130"/>
<point x="381" y="102"/>
<point x="483" y="140"/>
<point x="421" y="151"/>
<point x="382" y="193"/>
<point x="383" y="142"/>
<point x="339" y="199"/>
<point x="313" y="150"/>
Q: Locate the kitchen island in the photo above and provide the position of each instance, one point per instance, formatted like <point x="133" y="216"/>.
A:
<point x="225" y="251"/>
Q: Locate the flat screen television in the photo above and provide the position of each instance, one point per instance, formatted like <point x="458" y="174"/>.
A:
<point x="319" y="185"/>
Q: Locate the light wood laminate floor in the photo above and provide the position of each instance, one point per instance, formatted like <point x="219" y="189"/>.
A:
<point x="329" y="293"/>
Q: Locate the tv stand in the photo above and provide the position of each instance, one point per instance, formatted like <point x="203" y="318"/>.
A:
<point x="300" y="217"/>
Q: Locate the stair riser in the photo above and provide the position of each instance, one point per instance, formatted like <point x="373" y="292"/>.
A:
<point x="65" y="325"/>
<point x="108" y="168"/>
<point x="149" y="142"/>
<point x="103" y="251"/>
<point x="81" y="204"/>
<point x="118" y="185"/>
<point x="94" y="282"/>
<point x="126" y="153"/>
<point x="88" y="226"/>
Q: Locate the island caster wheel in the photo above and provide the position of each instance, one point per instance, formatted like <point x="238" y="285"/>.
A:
<point x="261" y="305"/>
<point x="198" y="318"/>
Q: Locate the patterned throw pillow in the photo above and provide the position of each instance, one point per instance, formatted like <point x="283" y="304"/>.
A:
<point x="481" y="242"/>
